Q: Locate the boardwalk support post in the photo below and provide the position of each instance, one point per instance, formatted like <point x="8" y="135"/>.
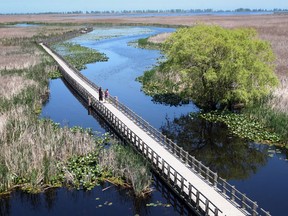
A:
<point x="255" y="206"/>
<point x="207" y="207"/>
<point x="175" y="178"/>
<point x="182" y="185"/>
<point x="216" y="212"/>
<point x="187" y="158"/>
<point x="207" y="173"/>
<point x="215" y="180"/>
<point x="243" y="201"/>
<point x="233" y="194"/>
<point x="197" y="199"/>
<point x="163" y="167"/>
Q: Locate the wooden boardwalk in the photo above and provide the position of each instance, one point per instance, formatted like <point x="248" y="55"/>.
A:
<point x="201" y="188"/>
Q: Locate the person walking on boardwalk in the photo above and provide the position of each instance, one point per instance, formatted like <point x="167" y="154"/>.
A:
<point x="100" y="94"/>
<point x="106" y="94"/>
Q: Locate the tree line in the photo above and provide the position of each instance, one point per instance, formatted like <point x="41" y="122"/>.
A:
<point x="207" y="10"/>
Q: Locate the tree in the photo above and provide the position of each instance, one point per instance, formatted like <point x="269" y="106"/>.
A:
<point x="217" y="67"/>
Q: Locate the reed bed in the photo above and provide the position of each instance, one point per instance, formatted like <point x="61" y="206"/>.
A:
<point x="279" y="99"/>
<point x="36" y="154"/>
<point x="13" y="85"/>
<point x="122" y="161"/>
<point x="159" y="38"/>
<point x="32" y="150"/>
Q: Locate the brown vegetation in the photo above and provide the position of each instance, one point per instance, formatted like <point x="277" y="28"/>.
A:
<point x="273" y="28"/>
<point x="30" y="149"/>
<point x="279" y="101"/>
<point x="13" y="85"/>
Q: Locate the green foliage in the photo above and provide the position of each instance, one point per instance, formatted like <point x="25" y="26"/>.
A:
<point x="144" y="43"/>
<point x="54" y="74"/>
<point x="215" y="67"/>
<point x="78" y="55"/>
<point x="243" y="126"/>
<point x="271" y="118"/>
<point x="85" y="170"/>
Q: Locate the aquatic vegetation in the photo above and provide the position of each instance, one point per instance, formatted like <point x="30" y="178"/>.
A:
<point x="54" y="74"/>
<point x="85" y="170"/>
<point x="157" y="204"/>
<point x="122" y="161"/>
<point x="243" y="126"/>
<point x="78" y="55"/>
<point x="271" y="118"/>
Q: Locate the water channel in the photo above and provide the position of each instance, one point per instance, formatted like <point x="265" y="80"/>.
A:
<point x="260" y="171"/>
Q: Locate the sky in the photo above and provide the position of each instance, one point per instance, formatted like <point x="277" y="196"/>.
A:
<point x="37" y="6"/>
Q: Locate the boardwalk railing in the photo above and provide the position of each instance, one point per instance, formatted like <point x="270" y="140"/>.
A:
<point x="184" y="188"/>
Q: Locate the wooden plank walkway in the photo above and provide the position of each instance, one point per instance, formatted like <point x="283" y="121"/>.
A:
<point x="211" y="200"/>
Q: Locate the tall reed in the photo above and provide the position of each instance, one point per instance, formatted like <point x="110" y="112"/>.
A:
<point x="124" y="162"/>
<point x="32" y="149"/>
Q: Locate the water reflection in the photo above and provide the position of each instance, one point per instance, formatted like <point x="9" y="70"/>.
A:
<point x="105" y="199"/>
<point x="4" y="206"/>
<point x="169" y="99"/>
<point x="231" y="157"/>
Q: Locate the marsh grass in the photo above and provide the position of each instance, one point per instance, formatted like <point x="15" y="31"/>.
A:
<point x="279" y="99"/>
<point x="275" y="120"/>
<point x="13" y="85"/>
<point x="33" y="149"/>
<point x="159" y="38"/>
<point x="122" y="161"/>
<point x="36" y="154"/>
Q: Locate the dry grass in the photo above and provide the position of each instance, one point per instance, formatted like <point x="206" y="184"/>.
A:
<point x="13" y="85"/>
<point x="25" y="144"/>
<point x="15" y="53"/>
<point x="3" y="121"/>
<point x="30" y="149"/>
<point x="17" y="57"/>
<point x="13" y="32"/>
<point x="279" y="101"/>
<point x="273" y="28"/>
<point x="159" y="38"/>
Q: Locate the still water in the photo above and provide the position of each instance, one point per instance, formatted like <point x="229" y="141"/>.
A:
<point x="258" y="170"/>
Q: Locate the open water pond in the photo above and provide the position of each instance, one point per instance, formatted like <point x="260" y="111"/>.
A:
<point x="257" y="170"/>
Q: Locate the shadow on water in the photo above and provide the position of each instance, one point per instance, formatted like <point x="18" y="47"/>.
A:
<point x="90" y="111"/>
<point x="231" y="157"/>
<point x="169" y="99"/>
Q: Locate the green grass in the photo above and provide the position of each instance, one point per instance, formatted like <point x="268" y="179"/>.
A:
<point x="145" y="44"/>
<point x="275" y="120"/>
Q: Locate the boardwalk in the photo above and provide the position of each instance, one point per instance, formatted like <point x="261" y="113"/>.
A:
<point x="202" y="189"/>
